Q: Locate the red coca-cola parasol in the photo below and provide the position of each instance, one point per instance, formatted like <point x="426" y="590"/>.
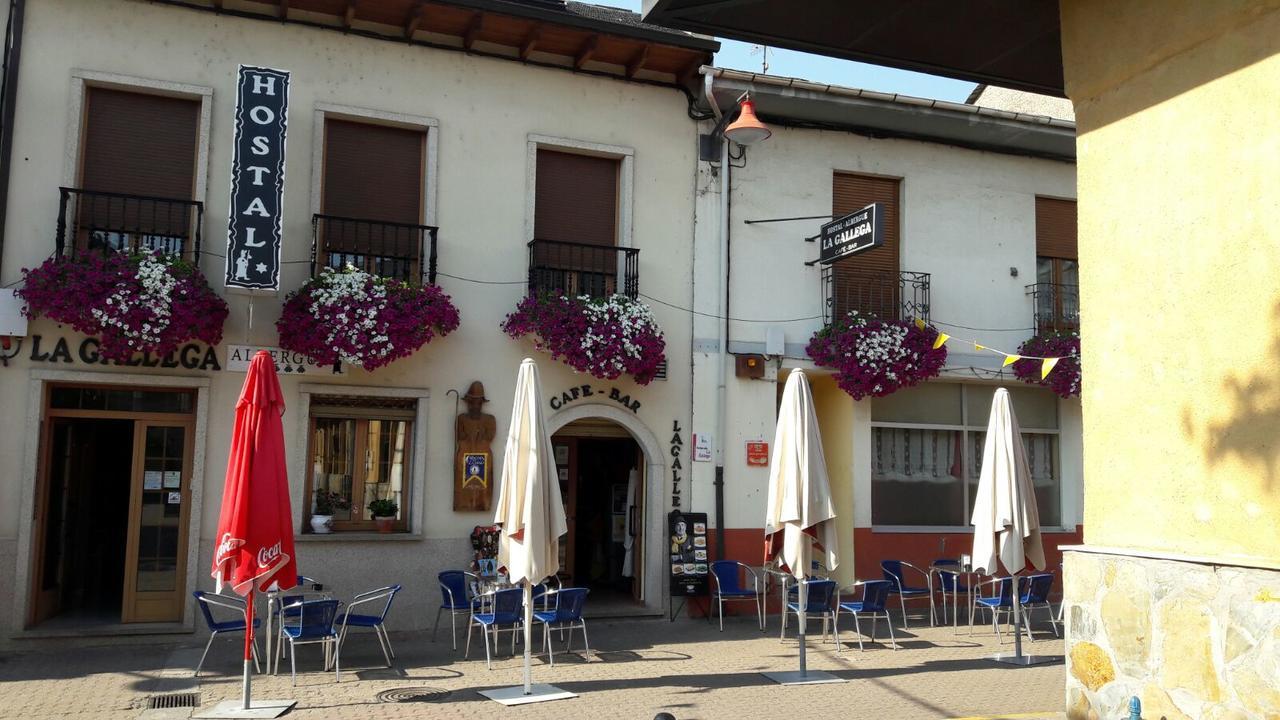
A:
<point x="255" y="527"/>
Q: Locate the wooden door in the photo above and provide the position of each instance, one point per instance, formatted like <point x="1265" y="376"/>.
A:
<point x="569" y="496"/>
<point x="156" y="553"/>
<point x="46" y="594"/>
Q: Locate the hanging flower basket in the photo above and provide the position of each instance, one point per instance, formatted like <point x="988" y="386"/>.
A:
<point x="132" y="303"/>
<point x="1065" y="377"/>
<point x="603" y="337"/>
<point x="873" y="357"/>
<point x="362" y="319"/>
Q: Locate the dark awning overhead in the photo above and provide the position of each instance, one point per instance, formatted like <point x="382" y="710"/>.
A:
<point x="1011" y="43"/>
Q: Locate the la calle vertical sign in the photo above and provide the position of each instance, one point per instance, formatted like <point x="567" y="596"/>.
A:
<point x="257" y="179"/>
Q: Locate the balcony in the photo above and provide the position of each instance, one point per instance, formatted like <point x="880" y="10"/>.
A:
<point x="583" y="269"/>
<point x="1056" y="307"/>
<point x="887" y="295"/>
<point x="91" y="220"/>
<point x="392" y="250"/>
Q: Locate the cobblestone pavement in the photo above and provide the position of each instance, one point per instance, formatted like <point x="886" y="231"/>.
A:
<point x="639" y="668"/>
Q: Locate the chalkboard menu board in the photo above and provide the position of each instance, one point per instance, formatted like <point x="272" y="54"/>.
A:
<point x="687" y="544"/>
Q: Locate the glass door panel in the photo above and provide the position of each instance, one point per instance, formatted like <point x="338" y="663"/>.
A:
<point x="156" y="556"/>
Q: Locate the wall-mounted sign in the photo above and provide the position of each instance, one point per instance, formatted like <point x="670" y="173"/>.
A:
<point x="257" y="179"/>
<point x="677" y="467"/>
<point x="701" y="447"/>
<point x="854" y="233"/>
<point x="286" y="361"/>
<point x="579" y="392"/>
<point x="758" y="453"/>
<point x="191" y="356"/>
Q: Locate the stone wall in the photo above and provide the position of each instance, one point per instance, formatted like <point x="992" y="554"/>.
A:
<point x="1191" y="640"/>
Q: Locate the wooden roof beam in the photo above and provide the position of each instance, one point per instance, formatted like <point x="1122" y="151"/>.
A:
<point x="284" y="9"/>
<point x="588" y="49"/>
<point x="530" y="42"/>
<point x="414" y="20"/>
<point x="636" y="64"/>
<point x="473" y="30"/>
<point x="690" y="72"/>
<point x="350" y="14"/>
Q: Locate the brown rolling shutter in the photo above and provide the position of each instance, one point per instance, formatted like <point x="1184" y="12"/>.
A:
<point x="143" y="146"/>
<point x="867" y="282"/>
<point x="140" y="144"/>
<point x="576" y="198"/>
<point x="1056" y="228"/>
<point x="373" y="173"/>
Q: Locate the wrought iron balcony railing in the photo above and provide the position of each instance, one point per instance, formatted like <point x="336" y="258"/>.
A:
<point x="887" y="295"/>
<point x="392" y="250"/>
<point x="91" y="220"/>
<point x="1056" y="307"/>
<point x="583" y="269"/>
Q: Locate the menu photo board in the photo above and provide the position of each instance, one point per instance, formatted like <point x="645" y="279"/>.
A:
<point x="687" y="541"/>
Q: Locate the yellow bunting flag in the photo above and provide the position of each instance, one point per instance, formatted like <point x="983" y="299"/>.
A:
<point x="942" y="340"/>
<point x="919" y="323"/>
<point x="1046" y="367"/>
<point x="1010" y="359"/>
<point x="976" y="346"/>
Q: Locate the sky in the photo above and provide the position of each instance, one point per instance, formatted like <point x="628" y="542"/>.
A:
<point x="740" y="56"/>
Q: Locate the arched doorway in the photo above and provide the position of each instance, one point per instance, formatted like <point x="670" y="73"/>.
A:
<point x="610" y="468"/>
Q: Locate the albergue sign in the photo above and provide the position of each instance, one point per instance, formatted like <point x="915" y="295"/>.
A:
<point x="257" y="179"/>
<point x="854" y="233"/>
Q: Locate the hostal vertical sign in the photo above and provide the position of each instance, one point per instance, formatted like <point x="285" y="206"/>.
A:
<point x="257" y="179"/>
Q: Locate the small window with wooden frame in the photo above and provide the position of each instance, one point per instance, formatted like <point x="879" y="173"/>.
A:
<point x="1056" y="293"/>
<point x="136" y="174"/>
<point x="371" y="198"/>
<point x="869" y="282"/>
<point x="359" y="451"/>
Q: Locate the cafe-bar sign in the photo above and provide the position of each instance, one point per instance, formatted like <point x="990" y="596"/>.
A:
<point x="257" y="179"/>
<point x="854" y="233"/>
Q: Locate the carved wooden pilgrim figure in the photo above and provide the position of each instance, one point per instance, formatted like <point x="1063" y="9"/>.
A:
<point x="473" y="462"/>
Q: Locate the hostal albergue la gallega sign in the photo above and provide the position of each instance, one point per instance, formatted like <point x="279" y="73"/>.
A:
<point x="257" y="179"/>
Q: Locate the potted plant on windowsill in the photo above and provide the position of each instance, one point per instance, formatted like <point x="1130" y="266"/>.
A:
<point x="384" y="513"/>
<point x="326" y="502"/>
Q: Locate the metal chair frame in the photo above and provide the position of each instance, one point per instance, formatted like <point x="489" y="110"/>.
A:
<point x="569" y="625"/>
<point x="454" y="611"/>
<point x="827" y="614"/>
<point x="330" y="641"/>
<point x="756" y="597"/>
<point x="999" y="584"/>
<point x="856" y="608"/>
<point x="379" y="629"/>
<point x="902" y="592"/>
<point x="230" y="603"/>
<point x="1028" y="604"/>
<point x="494" y="624"/>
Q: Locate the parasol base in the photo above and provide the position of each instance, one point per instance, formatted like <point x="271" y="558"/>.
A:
<point x="257" y="709"/>
<point x="795" y="677"/>
<point x="515" y="695"/>
<point x="1025" y="660"/>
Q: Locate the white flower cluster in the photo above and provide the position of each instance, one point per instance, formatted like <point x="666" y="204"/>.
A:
<point x="633" y="316"/>
<point x="347" y="288"/>
<point x="156" y="297"/>
<point x="882" y="349"/>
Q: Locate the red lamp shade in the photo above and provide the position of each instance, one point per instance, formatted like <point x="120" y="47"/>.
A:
<point x="747" y="129"/>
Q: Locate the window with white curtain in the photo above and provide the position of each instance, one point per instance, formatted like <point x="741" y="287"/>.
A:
<point x="926" y="452"/>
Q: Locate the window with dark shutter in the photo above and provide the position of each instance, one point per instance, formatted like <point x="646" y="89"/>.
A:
<point x="137" y="151"/>
<point x="1055" y="228"/>
<point x="372" y="197"/>
<point x="576" y="218"/>
<point x="867" y="282"/>
<point x="1057" y="289"/>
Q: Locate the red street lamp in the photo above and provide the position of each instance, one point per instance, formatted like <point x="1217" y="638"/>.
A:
<point x="747" y="128"/>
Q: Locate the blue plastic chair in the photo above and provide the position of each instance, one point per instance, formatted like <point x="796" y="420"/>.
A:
<point x="948" y="570"/>
<point x="456" y="597"/>
<point x="893" y="571"/>
<point x="567" y="615"/>
<point x="728" y="575"/>
<point x="504" y="611"/>
<point x="314" y="622"/>
<point x="875" y="593"/>
<point x="377" y="623"/>
<point x="1000" y="601"/>
<point x="820" y="603"/>
<point x="206" y="602"/>
<point x="1035" y="594"/>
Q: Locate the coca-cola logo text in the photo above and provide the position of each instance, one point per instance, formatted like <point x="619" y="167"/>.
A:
<point x="268" y="555"/>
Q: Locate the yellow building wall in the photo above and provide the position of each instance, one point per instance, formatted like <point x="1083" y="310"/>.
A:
<point x="1178" y="109"/>
<point x="835" y="422"/>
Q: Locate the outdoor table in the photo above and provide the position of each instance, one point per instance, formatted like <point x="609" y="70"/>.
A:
<point x="958" y="571"/>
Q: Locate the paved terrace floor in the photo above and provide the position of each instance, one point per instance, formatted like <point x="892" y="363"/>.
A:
<point x="638" y="668"/>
